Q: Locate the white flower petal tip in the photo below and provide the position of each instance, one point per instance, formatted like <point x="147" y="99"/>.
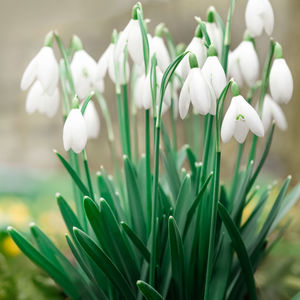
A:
<point x="239" y="119"/>
<point x="75" y="131"/>
<point x="92" y="121"/>
<point x="158" y="47"/>
<point x="195" y="90"/>
<point x="243" y="64"/>
<point x="259" y="17"/>
<point x="272" y="113"/>
<point x="281" y="81"/>
<point x="44" y="68"/>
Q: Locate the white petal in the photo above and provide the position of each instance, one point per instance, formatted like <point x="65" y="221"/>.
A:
<point x="51" y="103"/>
<point x="184" y="99"/>
<point x="254" y="21"/>
<point x="281" y="81"/>
<point x="102" y="64"/>
<point x="122" y="40"/>
<point x="138" y="91"/>
<point x="228" y="125"/>
<point x="216" y="36"/>
<point x="266" y="115"/>
<point x="92" y="121"/>
<point x="33" y="97"/>
<point x="234" y="68"/>
<point x="278" y="116"/>
<point x="162" y="54"/>
<point x="135" y="43"/>
<point x="268" y="17"/>
<point x="241" y="131"/>
<point x="29" y="74"/>
<point x="147" y="95"/>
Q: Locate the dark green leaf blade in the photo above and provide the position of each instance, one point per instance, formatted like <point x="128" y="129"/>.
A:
<point x="148" y="291"/>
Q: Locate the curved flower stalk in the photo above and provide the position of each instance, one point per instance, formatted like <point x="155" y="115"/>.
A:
<point x="131" y="35"/>
<point x="239" y="118"/>
<point x="243" y="63"/>
<point x="39" y="100"/>
<point x="92" y="120"/>
<point x="197" y="47"/>
<point x="75" y="130"/>
<point x="259" y="17"/>
<point x="281" y="79"/>
<point x="272" y="112"/>
<point x="196" y="90"/>
<point x="215" y="76"/>
<point x="43" y="68"/>
<point x="83" y="68"/>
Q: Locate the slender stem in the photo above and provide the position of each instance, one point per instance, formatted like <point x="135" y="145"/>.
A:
<point x="126" y="119"/>
<point x="135" y="138"/>
<point x="87" y="173"/>
<point x="196" y="134"/>
<point x="173" y="126"/>
<point x="121" y="122"/>
<point x="148" y="168"/>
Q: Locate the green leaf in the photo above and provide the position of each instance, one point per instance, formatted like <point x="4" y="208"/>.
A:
<point x="74" y="175"/>
<point x="240" y="249"/>
<point x="105" y="264"/>
<point x="136" y="241"/>
<point x="40" y="260"/>
<point x="148" y="291"/>
<point x="177" y="257"/>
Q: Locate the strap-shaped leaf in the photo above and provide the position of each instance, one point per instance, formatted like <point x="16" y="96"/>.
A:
<point x="177" y="257"/>
<point x="40" y="260"/>
<point x="74" y="175"/>
<point x="105" y="264"/>
<point x="148" y="291"/>
<point x="240" y="249"/>
<point x="136" y="241"/>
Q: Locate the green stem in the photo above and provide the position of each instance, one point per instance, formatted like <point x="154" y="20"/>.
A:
<point x="135" y="138"/>
<point x="121" y="122"/>
<point x="196" y="134"/>
<point x="173" y="126"/>
<point x="126" y="119"/>
<point x="87" y="173"/>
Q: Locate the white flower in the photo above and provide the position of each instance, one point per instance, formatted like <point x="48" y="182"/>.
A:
<point x="272" y="112"/>
<point x="216" y="78"/>
<point x="197" y="47"/>
<point x="39" y="100"/>
<point x="75" y="131"/>
<point x="107" y="63"/>
<point x="83" y="68"/>
<point x="243" y="64"/>
<point x="196" y="90"/>
<point x="259" y="16"/>
<point x="133" y="37"/>
<point x="44" y="68"/>
<point x="92" y="121"/>
<point x="216" y="36"/>
<point x="281" y="81"/>
<point x="158" y="47"/>
<point x="239" y="118"/>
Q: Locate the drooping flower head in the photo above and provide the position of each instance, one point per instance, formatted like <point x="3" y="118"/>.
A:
<point x="43" y="67"/>
<point x="240" y="118"/>
<point x="259" y="17"/>
<point x="281" y="79"/>
<point x="92" y="121"/>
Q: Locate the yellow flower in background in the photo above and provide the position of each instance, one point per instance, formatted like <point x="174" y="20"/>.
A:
<point x="9" y="247"/>
<point x="18" y="213"/>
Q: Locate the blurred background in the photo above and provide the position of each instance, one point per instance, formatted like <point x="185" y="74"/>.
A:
<point x="30" y="173"/>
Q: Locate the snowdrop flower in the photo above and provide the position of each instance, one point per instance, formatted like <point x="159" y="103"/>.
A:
<point x="239" y="118"/>
<point x="197" y="47"/>
<point x="75" y="130"/>
<point x="272" y="112"/>
<point x="42" y="67"/>
<point x="196" y="90"/>
<point x="243" y="63"/>
<point x="214" y="31"/>
<point x="259" y="16"/>
<point x="133" y="37"/>
<point x="39" y="100"/>
<point x="158" y="47"/>
<point x="83" y="68"/>
<point x="281" y="80"/>
<point x="215" y="76"/>
<point x="92" y="121"/>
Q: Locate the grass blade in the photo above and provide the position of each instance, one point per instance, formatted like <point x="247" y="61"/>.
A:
<point x="148" y="291"/>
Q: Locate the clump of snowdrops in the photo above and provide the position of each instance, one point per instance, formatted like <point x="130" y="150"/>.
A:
<point x="158" y="230"/>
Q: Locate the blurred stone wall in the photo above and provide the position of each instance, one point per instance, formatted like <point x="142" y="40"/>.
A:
<point x="27" y="141"/>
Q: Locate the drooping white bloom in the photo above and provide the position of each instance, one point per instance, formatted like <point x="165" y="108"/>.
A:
<point x="133" y="37"/>
<point x="83" y="68"/>
<point x="107" y="63"/>
<point x="243" y="64"/>
<point x="215" y="76"/>
<point x="157" y="46"/>
<point x="281" y="81"/>
<point x="39" y="100"/>
<point x="92" y="121"/>
<point x="44" y="68"/>
<point x="196" y="90"/>
<point x="197" y="47"/>
<point x="75" y="131"/>
<point x="239" y="118"/>
<point x="272" y="112"/>
<point x="215" y="35"/>
<point x="259" y="16"/>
